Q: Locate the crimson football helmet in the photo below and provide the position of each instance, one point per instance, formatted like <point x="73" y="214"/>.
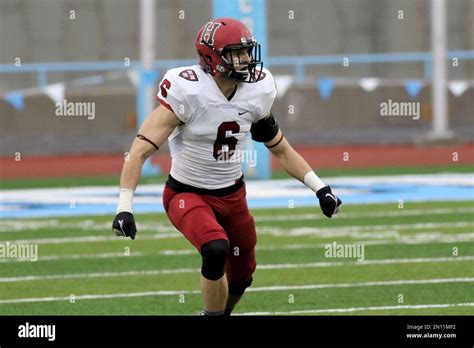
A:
<point x="222" y="38"/>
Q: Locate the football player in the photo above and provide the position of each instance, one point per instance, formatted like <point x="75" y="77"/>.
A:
<point x="206" y="113"/>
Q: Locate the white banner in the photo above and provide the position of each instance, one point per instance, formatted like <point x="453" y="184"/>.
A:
<point x="133" y="77"/>
<point x="55" y="92"/>
<point x="369" y="84"/>
<point x="457" y="88"/>
<point x="283" y="82"/>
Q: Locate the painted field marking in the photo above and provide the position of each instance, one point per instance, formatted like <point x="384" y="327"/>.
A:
<point x="259" y="289"/>
<point x="354" y="309"/>
<point x="259" y="267"/>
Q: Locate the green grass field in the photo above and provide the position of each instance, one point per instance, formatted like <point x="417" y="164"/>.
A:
<point x="408" y="268"/>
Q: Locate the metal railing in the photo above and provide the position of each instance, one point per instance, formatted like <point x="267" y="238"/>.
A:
<point x="299" y="63"/>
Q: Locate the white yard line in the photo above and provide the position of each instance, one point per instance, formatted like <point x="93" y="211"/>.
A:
<point x="357" y="231"/>
<point x="258" y="289"/>
<point x="88" y="224"/>
<point x="354" y="309"/>
<point x="352" y="285"/>
<point x="73" y="257"/>
<point x="97" y="297"/>
<point x="89" y="239"/>
<point x="426" y="239"/>
<point x="437" y="238"/>
<point x="97" y="275"/>
<point x="344" y="215"/>
<point x="369" y="231"/>
<point x="366" y="262"/>
<point x="100" y="256"/>
<point x="14" y="225"/>
<point x="259" y="267"/>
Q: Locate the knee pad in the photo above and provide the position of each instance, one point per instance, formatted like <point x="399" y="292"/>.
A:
<point x="238" y="288"/>
<point x="214" y="255"/>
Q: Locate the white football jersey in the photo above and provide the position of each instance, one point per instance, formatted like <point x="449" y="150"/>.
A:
<point x="215" y="129"/>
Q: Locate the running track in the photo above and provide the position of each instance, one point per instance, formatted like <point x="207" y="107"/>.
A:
<point x="318" y="157"/>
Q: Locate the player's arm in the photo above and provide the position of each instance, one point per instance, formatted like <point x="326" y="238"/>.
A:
<point x="291" y="161"/>
<point x="268" y="132"/>
<point x="156" y="128"/>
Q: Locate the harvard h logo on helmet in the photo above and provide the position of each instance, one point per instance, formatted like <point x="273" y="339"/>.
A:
<point x="208" y="33"/>
<point x="220" y="45"/>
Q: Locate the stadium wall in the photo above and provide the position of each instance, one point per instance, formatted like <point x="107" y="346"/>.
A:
<point x="42" y="31"/>
<point x="351" y="116"/>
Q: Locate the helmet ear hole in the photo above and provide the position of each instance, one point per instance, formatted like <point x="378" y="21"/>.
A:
<point x="209" y="58"/>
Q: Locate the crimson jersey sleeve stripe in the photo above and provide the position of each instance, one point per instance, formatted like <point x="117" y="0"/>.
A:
<point x="168" y="106"/>
<point x="165" y="104"/>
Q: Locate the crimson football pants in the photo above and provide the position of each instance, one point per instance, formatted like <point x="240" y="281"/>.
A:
<point x="203" y="218"/>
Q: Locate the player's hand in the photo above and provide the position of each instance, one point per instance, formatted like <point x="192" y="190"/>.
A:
<point x="124" y="225"/>
<point x="328" y="201"/>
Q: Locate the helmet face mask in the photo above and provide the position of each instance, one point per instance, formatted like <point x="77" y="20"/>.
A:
<point x="221" y="45"/>
<point x="231" y="56"/>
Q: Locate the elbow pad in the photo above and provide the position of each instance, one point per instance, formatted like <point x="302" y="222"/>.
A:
<point x="264" y="130"/>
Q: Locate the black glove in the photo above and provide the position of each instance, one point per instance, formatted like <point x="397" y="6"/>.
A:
<point x="124" y="225"/>
<point x="328" y="201"/>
